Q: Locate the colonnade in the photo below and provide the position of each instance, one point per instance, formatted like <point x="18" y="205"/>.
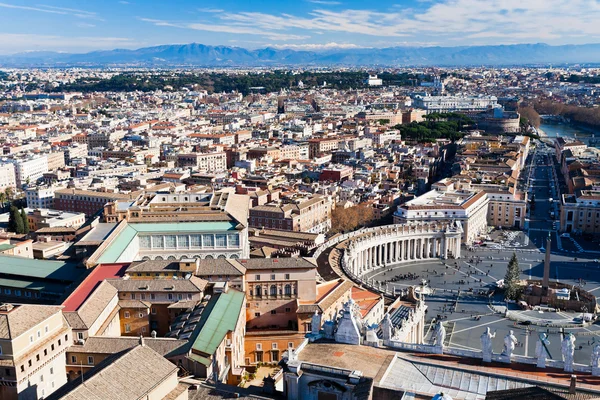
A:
<point x="398" y="244"/>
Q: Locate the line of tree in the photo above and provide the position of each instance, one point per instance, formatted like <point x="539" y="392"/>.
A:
<point x="580" y="78"/>
<point x="437" y="126"/>
<point x="583" y="115"/>
<point x="17" y="221"/>
<point x="529" y="116"/>
<point x="214" y="82"/>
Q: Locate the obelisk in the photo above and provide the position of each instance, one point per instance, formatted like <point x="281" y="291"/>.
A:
<point x="546" y="278"/>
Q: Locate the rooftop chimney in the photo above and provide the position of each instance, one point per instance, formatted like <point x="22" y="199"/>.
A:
<point x="573" y="386"/>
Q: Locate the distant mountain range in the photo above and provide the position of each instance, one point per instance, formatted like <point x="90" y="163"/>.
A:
<point x="221" y="56"/>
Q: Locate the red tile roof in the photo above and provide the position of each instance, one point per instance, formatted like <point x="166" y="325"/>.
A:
<point x="100" y="273"/>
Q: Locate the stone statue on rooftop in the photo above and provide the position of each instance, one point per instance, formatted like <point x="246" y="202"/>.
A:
<point x="509" y="344"/>
<point x="315" y="323"/>
<point x="568" y="350"/>
<point x="541" y="350"/>
<point x="486" y="344"/>
<point x="440" y="335"/>
<point x="596" y="359"/>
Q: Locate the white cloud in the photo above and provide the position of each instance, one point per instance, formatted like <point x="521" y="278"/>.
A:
<point x="27" y="8"/>
<point x="21" y="42"/>
<point x="55" y="10"/>
<point x="325" y="2"/>
<point x="316" y="46"/>
<point x="69" y="10"/>
<point x="442" y="21"/>
<point x="84" y="25"/>
<point x="210" y="10"/>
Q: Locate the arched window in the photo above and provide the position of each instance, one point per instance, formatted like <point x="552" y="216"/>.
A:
<point x="209" y="257"/>
<point x="258" y="291"/>
<point x="273" y="290"/>
<point x="288" y="290"/>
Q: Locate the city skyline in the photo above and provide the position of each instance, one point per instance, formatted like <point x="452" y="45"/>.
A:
<point x="69" y="26"/>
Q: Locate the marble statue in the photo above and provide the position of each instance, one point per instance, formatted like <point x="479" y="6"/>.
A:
<point x="486" y="344"/>
<point x="541" y="350"/>
<point x="387" y="328"/>
<point x="440" y="335"/>
<point x="315" y="323"/>
<point x="568" y="350"/>
<point x="596" y="359"/>
<point x="509" y="344"/>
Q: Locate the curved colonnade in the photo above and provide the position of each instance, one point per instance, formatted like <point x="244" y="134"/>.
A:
<point x="393" y="244"/>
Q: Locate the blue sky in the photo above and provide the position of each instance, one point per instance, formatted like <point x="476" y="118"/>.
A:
<point x="78" y="26"/>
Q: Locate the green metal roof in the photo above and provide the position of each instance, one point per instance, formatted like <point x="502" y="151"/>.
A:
<point x="6" y="246"/>
<point x="117" y="247"/>
<point x="40" y="269"/>
<point x="217" y="321"/>
<point x="119" y="244"/>
<point x="44" y="287"/>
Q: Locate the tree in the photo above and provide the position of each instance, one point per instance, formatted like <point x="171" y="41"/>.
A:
<point x="512" y="279"/>
<point x="2" y="199"/>
<point x="25" y="221"/>
<point x="350" y="219"/>
<point x="15" y="222"/>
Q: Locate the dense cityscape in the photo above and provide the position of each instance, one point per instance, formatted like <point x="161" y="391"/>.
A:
<point x="351" y="223"/>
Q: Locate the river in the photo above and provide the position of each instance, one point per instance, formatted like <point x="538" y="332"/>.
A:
<point x="553" y="130"/>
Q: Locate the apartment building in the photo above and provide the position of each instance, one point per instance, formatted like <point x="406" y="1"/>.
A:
<point x="151" y="305"/>
<point x="580" y="212"/>
<point x="87" y="201"/>
<point x="56" y="160"/>
<point x="320" y="146"/>
<point x="310" y="214"/>
<point x="274" y="289"/>
<point x="84" y="356"/>
<point x="8" y="178"/>
<point x="30" y="169"/>
<point x="507" y="206"/>
<point x="33" y="339"/>
<point x="206" y="162"/>
<point x="44" y="218"/>
<point x="41" y="196"/>
<point x="137" y="373"/>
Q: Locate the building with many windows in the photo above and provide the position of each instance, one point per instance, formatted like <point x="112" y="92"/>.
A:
<point x="441" y="104"/>
<point x="447" y="203"/>
<point x="7" y="177"/>
<point x="176" y="226"/>
<point x="580" y="212"/>
<point x="309" y="214"/>
<point x="33" y="341"/>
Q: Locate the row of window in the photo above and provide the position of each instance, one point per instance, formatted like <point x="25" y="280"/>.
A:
<point x="257" y="277"/>
<point x="37" y="356"/>
<point x="273" y="312"/>
<point x="18" y="292"/>
<point x="170" y="296"/>
<point x="90" y="360"/>
<point x="189" y="241"/>
<point x="287" y="290"/>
